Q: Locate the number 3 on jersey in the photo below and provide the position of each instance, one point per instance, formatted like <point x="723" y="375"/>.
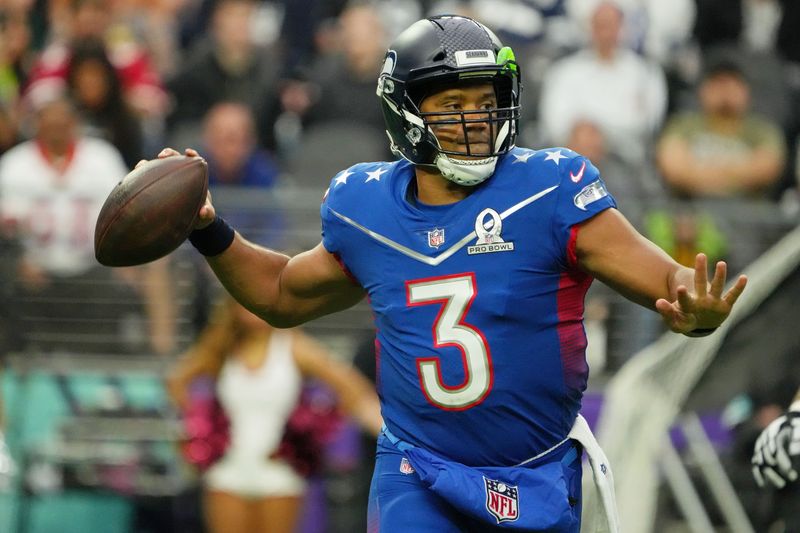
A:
<point x="455" y="295"/>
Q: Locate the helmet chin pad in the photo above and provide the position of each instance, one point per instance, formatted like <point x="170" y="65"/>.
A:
<point x="466" y="172"/>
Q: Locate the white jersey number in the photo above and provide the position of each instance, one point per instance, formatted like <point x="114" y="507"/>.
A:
<point x="455" y="294"/>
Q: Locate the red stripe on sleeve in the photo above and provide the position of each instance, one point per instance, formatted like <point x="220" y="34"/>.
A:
<point x="345" y="269"/>
<point x="572" y="256"/>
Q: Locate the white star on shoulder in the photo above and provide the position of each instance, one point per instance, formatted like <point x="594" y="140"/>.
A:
<point x="341" y="179"/>
<point x="522" y="158"/>
<point x="375" y="175"/>
<point x="554" y="156"/>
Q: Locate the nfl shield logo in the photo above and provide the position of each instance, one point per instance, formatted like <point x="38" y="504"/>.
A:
<point x="436" y="237"/>
<point x="502" y="500"/>
<point x="405" y="467"/>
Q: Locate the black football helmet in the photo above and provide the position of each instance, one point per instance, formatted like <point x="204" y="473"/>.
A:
<point x="435" y="53"/>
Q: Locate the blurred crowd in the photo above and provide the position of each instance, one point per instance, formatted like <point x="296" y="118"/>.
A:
<point x="689" y="108"/>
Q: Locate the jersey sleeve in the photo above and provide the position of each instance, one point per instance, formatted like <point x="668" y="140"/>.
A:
<point x="335" y="199"/>
<point x="328" y="224"/>
<point x="581" y="195"/>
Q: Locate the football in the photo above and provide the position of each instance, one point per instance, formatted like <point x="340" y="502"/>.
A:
<point x="151" y="211"/>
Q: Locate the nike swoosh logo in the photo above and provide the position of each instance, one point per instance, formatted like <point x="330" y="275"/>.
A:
<point x="434" y="261"/>
<point x="577" y="177"/>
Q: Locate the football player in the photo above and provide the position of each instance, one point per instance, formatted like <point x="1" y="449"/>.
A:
<point x="776" y="457"/>
<point x="475" y="255"/>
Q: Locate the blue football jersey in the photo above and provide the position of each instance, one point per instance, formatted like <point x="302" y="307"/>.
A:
<point x="478" y="304"/>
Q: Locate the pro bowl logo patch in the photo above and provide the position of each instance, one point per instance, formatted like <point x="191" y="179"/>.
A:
<point x="436" y="237"/>
<point x="488" y="226"/>
<point x="502" y="500"/>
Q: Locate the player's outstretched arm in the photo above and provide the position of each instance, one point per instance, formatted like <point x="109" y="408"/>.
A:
<point x="776" y="456"/>
<point x="610" y="249"/>
<point x="283" y="291"/>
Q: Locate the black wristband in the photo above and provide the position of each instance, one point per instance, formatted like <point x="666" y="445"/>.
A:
<point x="700" y="332"/>
<point x="214" y="238"/>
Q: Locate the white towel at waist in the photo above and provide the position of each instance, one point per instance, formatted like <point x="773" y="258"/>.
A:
<point x="603" y="481"/>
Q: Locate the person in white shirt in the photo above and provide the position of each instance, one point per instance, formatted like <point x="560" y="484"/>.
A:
<point x="52" y="188"/>
<point x="609" y="85"/>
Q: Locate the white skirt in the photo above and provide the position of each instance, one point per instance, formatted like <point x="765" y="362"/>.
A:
<point x="254" y="478"/>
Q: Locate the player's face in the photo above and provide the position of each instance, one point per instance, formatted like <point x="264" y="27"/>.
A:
<point x="471" y="135"/>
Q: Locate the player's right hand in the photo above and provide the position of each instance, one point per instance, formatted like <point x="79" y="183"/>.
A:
<point x="207" y="212"/>
<point x="776" y="457"/>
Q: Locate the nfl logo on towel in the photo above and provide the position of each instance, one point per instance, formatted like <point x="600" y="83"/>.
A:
<point x="502" y="500"/>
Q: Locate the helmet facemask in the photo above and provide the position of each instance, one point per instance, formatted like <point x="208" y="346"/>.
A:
<point x="481" y="136"/>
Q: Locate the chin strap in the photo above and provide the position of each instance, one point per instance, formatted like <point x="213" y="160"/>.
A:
<point x="467" y="172"/>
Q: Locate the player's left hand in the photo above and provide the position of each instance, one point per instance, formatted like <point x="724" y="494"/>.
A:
<point x="776" y="456"/>
<point x="705" y="308"/>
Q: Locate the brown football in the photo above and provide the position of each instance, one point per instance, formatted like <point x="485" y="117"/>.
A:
<point x="151" y="211"/>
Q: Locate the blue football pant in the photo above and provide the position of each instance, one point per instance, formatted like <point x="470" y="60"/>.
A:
<point x="400" y="503"/>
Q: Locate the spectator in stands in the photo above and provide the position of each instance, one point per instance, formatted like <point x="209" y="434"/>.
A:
<point x="95" y="87"/>
<point x="762" y="36"/>
<point x="753" y="24"/>
<point x="74" y="21"/>
<point x="300" y="26"/>
<point x="622" y="93"/>
<point x="660" y="31"/>
<point x="15" y="53"/>
<point x="9" y="129"/>
<point x="258" y="373"/>
<point x="236" y="160"/>
<point x="231" y="148"/>
<point x="334" y="87"/>
<point x="722" y="150"/>
<point x="51" y="190"/>
<point x="228" y="66"/>
<point x="346" y="78"/>
<point x="155" y="25"/>
<point x="657" y="29"/>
